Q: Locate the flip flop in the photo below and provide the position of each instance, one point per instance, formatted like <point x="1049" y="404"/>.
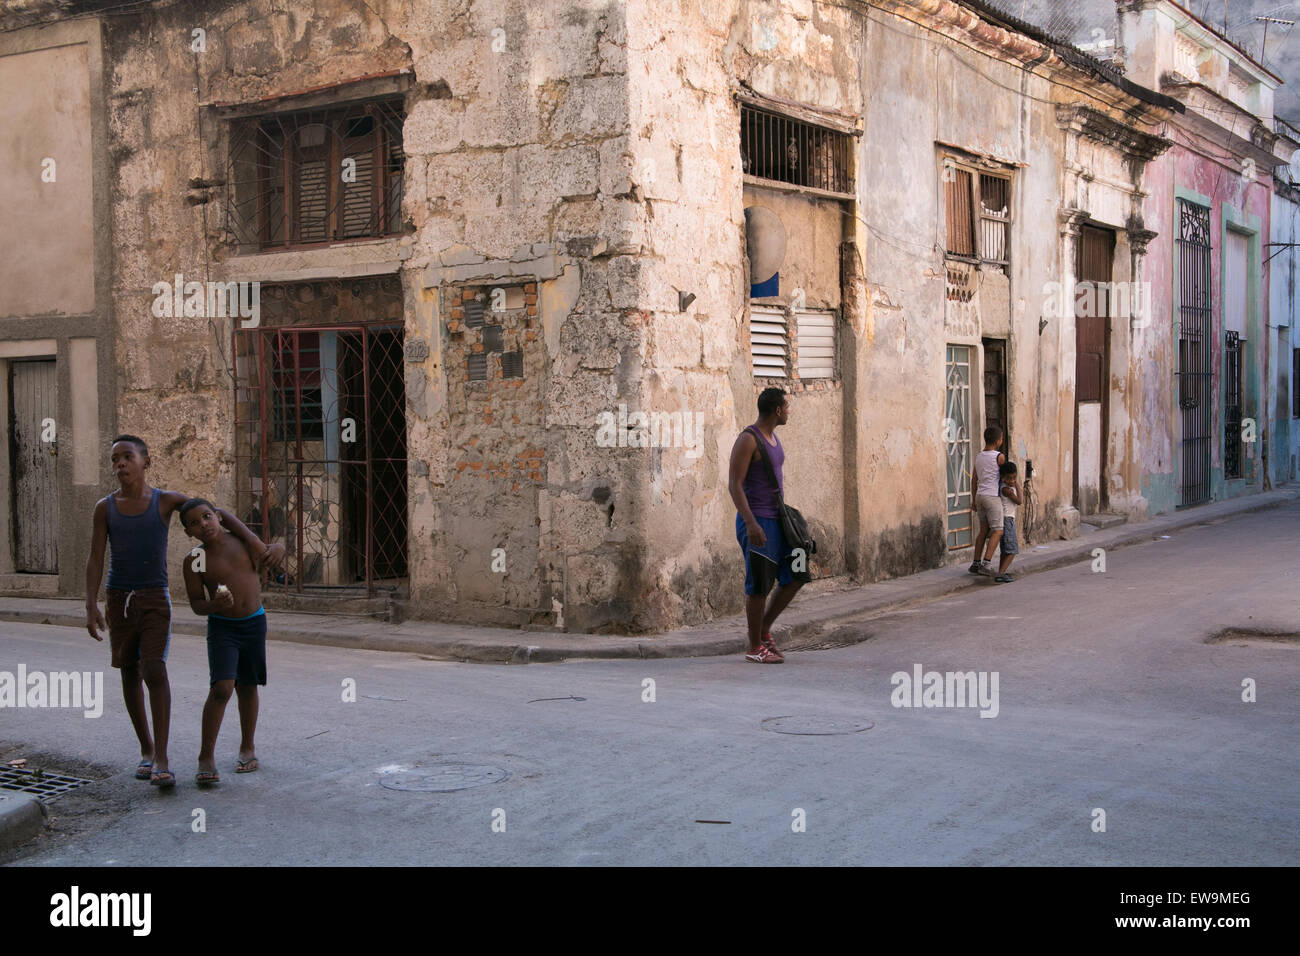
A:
<point x="142" y="769"/>
<point x="162" y="778"/>
<point x="247" y="766"/>
<point x="205" y="777"/>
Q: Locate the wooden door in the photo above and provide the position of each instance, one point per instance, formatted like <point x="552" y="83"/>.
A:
<point x="33" y="401"/>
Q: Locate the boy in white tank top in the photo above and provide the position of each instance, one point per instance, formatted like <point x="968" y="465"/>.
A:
<point x="988" y="502"/>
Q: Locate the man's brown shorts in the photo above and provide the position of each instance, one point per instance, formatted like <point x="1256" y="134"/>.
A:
<point x="139" y="625"/>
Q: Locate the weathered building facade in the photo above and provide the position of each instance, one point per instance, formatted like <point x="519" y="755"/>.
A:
<point x="1206" y="438"/>
<point x="459" y="300"/>
<point x="1281" y="264"/>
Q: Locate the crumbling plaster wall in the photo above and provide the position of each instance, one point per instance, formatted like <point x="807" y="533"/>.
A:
<point x="688" y="59"/>
<point x="522" y="172"/>
<point x="932" y="91"/>
<point x="517" y="169"/>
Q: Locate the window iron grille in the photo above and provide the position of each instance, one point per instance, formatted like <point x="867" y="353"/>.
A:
<point x="957" y="446"/>
<point x="786" y="150"/>
<point x="316" y="176"/>
<point x="977" y="208"/>
<point x="1295" y="383"/>
<point x="329" y="483"/>
<point x="1194" y="341"/>
<point x="1232" y="405"/>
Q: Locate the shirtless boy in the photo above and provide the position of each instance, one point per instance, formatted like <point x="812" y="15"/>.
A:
<point x="133" y="522"/>
<point x="222" y="582"/>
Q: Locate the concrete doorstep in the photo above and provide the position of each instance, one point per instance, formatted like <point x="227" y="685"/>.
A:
<point x="823" y="614"/>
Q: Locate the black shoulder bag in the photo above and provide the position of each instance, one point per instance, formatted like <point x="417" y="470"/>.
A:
<point x="793" y="525"/>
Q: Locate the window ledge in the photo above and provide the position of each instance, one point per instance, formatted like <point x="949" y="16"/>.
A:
<point x="341" y="260"/>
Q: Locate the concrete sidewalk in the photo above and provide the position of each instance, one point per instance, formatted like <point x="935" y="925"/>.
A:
<point x="820" y="616"/>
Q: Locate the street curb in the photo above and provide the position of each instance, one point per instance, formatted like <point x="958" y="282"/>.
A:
<point x="805" y="621"/>
<point x="22" y="816"/>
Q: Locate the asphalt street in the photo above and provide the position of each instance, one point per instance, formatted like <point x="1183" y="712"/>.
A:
<point x="1110" y="697"/>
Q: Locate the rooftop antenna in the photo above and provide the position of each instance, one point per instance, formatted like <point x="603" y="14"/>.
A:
<point x="1263" y="49"/>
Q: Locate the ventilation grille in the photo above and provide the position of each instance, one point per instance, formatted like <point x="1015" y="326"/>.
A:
<point x="768" y="343"/>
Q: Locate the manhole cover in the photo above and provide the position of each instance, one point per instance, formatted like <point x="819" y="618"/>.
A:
<point x="45" y="786"/>
<point x="817" y="726"/>
<point x="444" y="778"/>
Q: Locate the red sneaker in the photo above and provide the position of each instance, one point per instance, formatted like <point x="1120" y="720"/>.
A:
<point x="763" y="655"/>
<point x="771" y="645"/>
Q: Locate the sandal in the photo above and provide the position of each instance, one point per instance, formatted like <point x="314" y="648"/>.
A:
<point x="162" y="778"/>
<point x="246" y="766"/>
<point x="205" y="777"/>
<point x="763" y="655"/>
<point x="142" y="769"/>
<point x="771" y="645"/>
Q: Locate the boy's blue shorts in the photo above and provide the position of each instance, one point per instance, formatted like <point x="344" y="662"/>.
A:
<point x="770" y="564"/>
<point x="237" y="648"/>
<point x="1009" y="543"/>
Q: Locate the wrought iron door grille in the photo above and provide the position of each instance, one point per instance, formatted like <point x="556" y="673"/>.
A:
<point x="1195" y="327"/>
<point x="326" y="475"/>
<point x="316" y="176"/>
<point x="44" y="786"/>
<point x="791" y="151"/>
<point x="1232" y="405"/>
<point x="957" y="446"/>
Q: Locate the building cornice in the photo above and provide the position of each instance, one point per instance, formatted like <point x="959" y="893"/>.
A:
<point x="1097" y="126"/>
<point x="983" y="28"/>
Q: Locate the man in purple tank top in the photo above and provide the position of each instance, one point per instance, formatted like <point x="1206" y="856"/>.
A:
<point x="768" y="559"/>
<point x="133" y="521"/>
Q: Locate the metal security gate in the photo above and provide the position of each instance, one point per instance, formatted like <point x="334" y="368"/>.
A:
<point x="956" y="436"/>
<point x="321" y="451"/>
<point x="1195" y="339"/>
<point x="1231" y="405"/>
<point x="995" y="389"/>
<point x="34" y="403"/>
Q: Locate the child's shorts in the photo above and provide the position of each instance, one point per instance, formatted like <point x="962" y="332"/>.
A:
<point x="989" y="509"/>
<point x="237" y="648"/>
<point x="139" y="624"/>
<point x="1009" y="543"/>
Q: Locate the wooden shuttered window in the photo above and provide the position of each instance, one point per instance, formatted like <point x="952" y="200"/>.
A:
<point x="977" y="214"/>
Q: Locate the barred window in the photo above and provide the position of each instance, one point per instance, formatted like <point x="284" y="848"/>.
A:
<point x="787" y="150"/>
<point x="977" y="208"/>
<point x="317" y="176"/>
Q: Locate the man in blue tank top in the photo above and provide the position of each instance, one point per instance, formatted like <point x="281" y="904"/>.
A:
<point x="768" y="558"/>
<point x="133" y="521"/>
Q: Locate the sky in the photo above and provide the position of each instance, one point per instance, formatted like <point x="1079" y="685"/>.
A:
<point x="1080" y="20"/>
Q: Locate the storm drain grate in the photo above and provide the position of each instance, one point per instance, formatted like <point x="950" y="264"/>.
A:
<point x="44" y="786"/>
